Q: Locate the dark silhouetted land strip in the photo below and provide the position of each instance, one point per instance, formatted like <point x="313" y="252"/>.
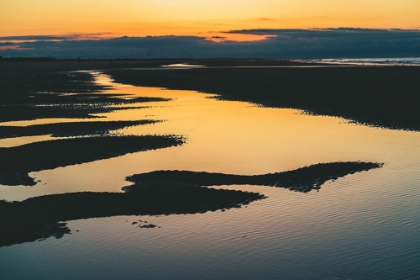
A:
<point x="83" y="111"/>
<point x="17" y="162"/>
<point x="69" y="129"/>
<point x="39" y="217"/>
<point x="24" y="85"/>
<point x="379" y="96"/>
<point x="301" y="180"/>
<point x="155" y="193"/>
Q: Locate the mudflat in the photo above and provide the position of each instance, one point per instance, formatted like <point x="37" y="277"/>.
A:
<point x="34" y="89"/>
<point x="37" y="218"/>
<point x="25" y="84"/>
<point x="155" y="193"/>
<point x="381" y="96"/>
<point x="18" y="161"/>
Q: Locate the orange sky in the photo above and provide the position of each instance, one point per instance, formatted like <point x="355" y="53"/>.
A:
<point x="188" y="17"/>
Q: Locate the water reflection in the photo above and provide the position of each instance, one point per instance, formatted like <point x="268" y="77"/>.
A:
<point x="182" y="66"/>
<point x="37" y="218"/>
<point x="224" y="137"/>
<point x="156" y="193"/>
<point x="19" y="161"/>
<point x="362" y="226"/>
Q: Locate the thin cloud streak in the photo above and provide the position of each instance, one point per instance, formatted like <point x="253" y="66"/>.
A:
<point x="72" y="36"/>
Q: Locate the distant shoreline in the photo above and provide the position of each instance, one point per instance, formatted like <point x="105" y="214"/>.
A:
<point x="391" y="61"/>
<point x="127" y="62"/>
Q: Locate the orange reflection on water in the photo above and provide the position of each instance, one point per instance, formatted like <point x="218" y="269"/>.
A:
<point x="242" y="138"/>
<point x="357" y="217"/>
<point x="222" y="136"/>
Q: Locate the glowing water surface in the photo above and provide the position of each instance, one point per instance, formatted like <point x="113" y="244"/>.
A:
<point x="405" y="61"/>
<point x="363" y="226"/>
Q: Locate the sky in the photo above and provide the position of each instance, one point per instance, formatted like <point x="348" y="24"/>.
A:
<point x="211" y="20"/>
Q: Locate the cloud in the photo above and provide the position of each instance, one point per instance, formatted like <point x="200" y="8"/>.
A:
<point x="282" y="43"/>
<point x="72" y="36"/>
<point x="30" y="38"/>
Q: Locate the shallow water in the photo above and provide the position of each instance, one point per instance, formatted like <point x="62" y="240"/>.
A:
<point x="362" y="226"/>
<point x="405" y="61"/>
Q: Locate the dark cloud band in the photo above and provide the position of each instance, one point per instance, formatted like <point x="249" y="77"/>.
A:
<point x="284" y="43"/>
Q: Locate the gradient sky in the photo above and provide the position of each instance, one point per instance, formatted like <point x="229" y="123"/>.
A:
<point x="188" y="17"/>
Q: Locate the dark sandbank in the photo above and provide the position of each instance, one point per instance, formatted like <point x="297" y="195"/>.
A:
<point x="38" y="218"/>
<point x="384" y="96"/>
<point x="17" y="162"/>
<point x="23" y="88"/>
<point x="155" y="193"/>
<point x="26" y="83"/>
<point x="68" y="111"/>
<point x="301" y="180"/>
<point x="69" y="129"/>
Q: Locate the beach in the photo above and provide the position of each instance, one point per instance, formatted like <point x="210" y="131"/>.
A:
<point x="383" y="96"/>
<point x="252" y="167"/>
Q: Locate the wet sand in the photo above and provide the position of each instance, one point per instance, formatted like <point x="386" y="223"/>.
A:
<point x="69" y="129"/>
<point x="304" y="179"/>
<point x="38" y="218"/>
<point x="18" y="161"/>
<point x="25" y="85"/>
<point x="28" y="84"/>
<point x="379" y="96"/>
<point x="156" y="193"/>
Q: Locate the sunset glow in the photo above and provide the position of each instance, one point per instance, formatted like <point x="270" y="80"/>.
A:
<point x="184" y="17"/>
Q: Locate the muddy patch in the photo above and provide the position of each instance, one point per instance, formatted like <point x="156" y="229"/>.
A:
<point x="69" y="129"/>
<point x="18" y="161"/>
<point x="41" y="217"/>
<point x="301" y="180"/>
